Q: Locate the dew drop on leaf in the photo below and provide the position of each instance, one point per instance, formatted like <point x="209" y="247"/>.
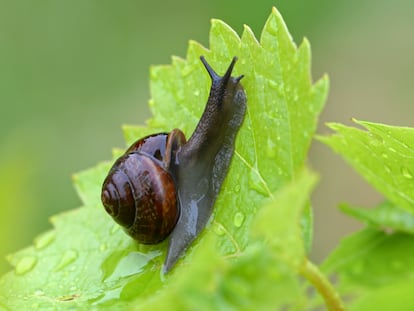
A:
<point x="237" y="188"/>
<point x="273" y="85"/>
<point x="271" y="148"/>
<point x="44" y="239"/>
<point x="219" y="230"/>
<point x="39" y="292"/>
<point x="280" y="171"/>
<point x="406" y="173"/>
<point x="387" y="168"/>
<point x="375" y="142"/>
<point x="103" y="247"/>
<point x="238" y="219"/>
<point x="69" y="256"/>
<point x="384" y="155"/>
<point x="25" y="265"/>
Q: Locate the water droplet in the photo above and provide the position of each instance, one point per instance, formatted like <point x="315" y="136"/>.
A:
<point x="39" y="292"/>
<point x="238" y="219"/>
<point x="44" y="239"/>
<point x="295" y="97"/>
<point x="387" y="168"/>
<point x="219" y="230"/>
<point x="197" y="93"/>
<point x="279" y="171"/>
<point x="103" y="247"/>
<point x="237" y="188"/>
<point x="271" y="148"/>
<point x="406" y="173"/>
<point x="69" y="256"/>
<point x="375" y="142"/>
<point x="384" y="155"/>
<point x="392" y="149"/>
<point x="273" y="85"/>
<point x="25" y="265"/>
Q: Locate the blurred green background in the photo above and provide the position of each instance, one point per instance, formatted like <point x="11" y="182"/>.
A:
<point x="72" y="72"/>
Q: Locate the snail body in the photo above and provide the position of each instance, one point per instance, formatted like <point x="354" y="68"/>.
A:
<point x="164" y="186"/>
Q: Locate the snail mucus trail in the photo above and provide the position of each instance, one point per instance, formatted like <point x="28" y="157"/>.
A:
<point x="164" y="186"/>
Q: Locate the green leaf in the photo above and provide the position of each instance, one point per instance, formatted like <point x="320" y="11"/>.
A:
<point x="386" y="215"/>
<point x="382" y="155"/>
<point x="373" y="270"/>
<point x="87" y="262"/>
<point x="278" y="222"/>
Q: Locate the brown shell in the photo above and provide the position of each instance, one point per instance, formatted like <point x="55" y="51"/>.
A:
<point x="140" y="195"/>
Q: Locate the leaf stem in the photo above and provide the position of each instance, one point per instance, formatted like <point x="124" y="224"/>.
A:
<point x="312" y="273"/>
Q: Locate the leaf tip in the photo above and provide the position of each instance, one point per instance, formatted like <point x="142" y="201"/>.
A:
<point x="305" y="43"/>
<point x="275" y="11"/>
<point x="333" y="125"/>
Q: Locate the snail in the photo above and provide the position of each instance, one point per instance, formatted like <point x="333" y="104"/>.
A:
<point x="164" y="186"/>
